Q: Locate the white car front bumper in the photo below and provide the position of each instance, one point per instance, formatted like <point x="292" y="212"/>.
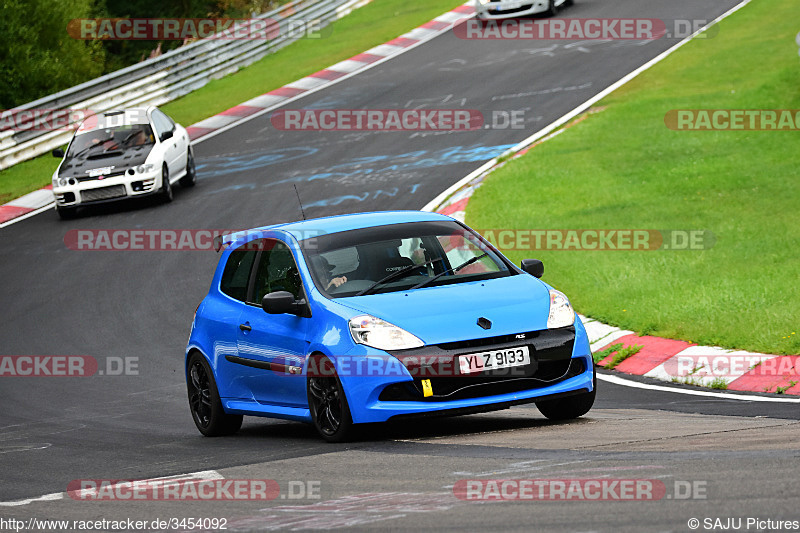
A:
<point x="91" y="191"/>
<point x="503" y="9"/>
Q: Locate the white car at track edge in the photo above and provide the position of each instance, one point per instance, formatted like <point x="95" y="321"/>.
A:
<point x="501" y="9"/>
<point x="122" y="154"/>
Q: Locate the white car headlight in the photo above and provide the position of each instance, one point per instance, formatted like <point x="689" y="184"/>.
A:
<point x="561" y="313"/>
<point x="141" y="169"/>
<point x="380" y="334"/>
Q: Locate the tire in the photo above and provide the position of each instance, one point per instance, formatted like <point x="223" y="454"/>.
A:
<point x="190" y="178"/>
<point x="569" y="407"/>
<point x="552" y="10"/>
<point x="327" y="402"/>
<point x="66" y="213"/>
<point x="204" y="403"/>
<point x="166" y="186"/>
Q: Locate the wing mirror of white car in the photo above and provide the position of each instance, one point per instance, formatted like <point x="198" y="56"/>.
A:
<point x="534" y="267"/>
<point x="283" y="302"/>
<point x="166" y="135"/>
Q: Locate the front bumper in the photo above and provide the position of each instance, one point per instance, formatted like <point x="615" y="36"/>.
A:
<point x="95" y="191"/>
<point x="504" y="10"/>
<point x="557" y="368"/>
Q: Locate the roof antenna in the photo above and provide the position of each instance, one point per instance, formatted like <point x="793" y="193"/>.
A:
<point x="299" y="202"/>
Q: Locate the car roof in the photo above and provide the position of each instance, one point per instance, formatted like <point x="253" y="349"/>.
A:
<point x="114" y="118"/>
<point x="306" y="229"/>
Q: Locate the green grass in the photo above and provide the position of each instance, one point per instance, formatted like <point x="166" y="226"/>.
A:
<point x="602" y="354"/>
<point x="371" y="25"/>
<point x="719" y="384"/>
<point x="623" y="168"/>
<point x="623" y="354"/>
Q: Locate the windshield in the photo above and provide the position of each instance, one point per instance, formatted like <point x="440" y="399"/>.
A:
<point x="96" y="143"/>
<point x="400" y="257"/>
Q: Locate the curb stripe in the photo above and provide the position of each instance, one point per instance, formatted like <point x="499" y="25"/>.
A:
<point x="241" y="111"/>
<point x="328" y="74"/>
<point x="286" y="91"/>
<point x="10" y="212"/>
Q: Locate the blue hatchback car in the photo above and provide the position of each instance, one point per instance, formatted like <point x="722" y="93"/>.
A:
<point x="363" y="318"/>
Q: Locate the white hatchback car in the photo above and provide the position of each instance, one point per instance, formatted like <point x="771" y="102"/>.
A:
<point x="122" y="154"/>
<point x="503" y="9"/>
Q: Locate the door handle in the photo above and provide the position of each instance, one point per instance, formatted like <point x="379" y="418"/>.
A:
<point x="245" y="327"/>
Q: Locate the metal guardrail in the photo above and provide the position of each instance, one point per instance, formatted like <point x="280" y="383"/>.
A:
<point x="167" y="77"/>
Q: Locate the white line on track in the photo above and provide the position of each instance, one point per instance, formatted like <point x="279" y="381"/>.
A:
<point x="28" y="215"/>
<point x="203" y="475"/>
<point x="616" y="380"/>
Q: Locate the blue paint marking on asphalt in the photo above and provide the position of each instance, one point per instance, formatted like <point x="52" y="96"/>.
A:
<point x="216" y="166"/>
<point x="356" y="167"/>
<point x="336" y="200"/>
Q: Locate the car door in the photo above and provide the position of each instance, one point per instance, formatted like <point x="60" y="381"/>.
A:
<point x="225" y="314"/>
<point x="171" y="150"/>
<point x="180" y="143"/>
<point x="275" y="343"/>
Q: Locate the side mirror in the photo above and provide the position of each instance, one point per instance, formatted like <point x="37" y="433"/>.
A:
<point x="283" y="302"/>
<point x="534" y="267"/>
<point x="166" y="135"/>
<point x="58" y="152"/>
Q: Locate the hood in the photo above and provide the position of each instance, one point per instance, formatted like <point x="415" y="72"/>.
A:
<point x="449" y="313"/>
<point x="118" y="162"/>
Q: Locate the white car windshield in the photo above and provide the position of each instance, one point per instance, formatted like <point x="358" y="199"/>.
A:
<point x="101" y="141"/>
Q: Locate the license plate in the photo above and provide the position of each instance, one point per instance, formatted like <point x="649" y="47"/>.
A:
<point x="496" y="359"/>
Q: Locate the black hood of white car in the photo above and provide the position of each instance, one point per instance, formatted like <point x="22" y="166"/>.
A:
<point x="115" y="160"/>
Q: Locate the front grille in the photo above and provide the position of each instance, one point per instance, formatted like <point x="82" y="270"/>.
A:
<point x="94" y="178"/>
<point x="489" y="341"/>
<point x="551" y="361"/>
<point x="103" y="193"/>
<point x="510" y="11"/>
<point x="462" y="388"/>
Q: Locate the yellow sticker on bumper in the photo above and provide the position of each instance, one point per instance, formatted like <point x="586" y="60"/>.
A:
<point x="427" y="389"/>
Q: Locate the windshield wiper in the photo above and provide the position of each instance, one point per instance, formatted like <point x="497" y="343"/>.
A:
<point x="397" y="274"/>
<point x="466" y="263"/>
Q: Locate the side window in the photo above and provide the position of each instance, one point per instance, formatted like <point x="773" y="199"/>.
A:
<point x="276" y="271"/>
<point x="162" y="122"/>
<point x="236" y="275"/>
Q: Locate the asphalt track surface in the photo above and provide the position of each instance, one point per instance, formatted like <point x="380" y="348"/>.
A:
<point x="110" y="305"/>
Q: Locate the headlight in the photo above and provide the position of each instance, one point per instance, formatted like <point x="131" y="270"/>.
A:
<point x="380" y="334"/>
<point x="561" y="313"/>
<point x="60" y="182"/>
<point x="141" y="169"/>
